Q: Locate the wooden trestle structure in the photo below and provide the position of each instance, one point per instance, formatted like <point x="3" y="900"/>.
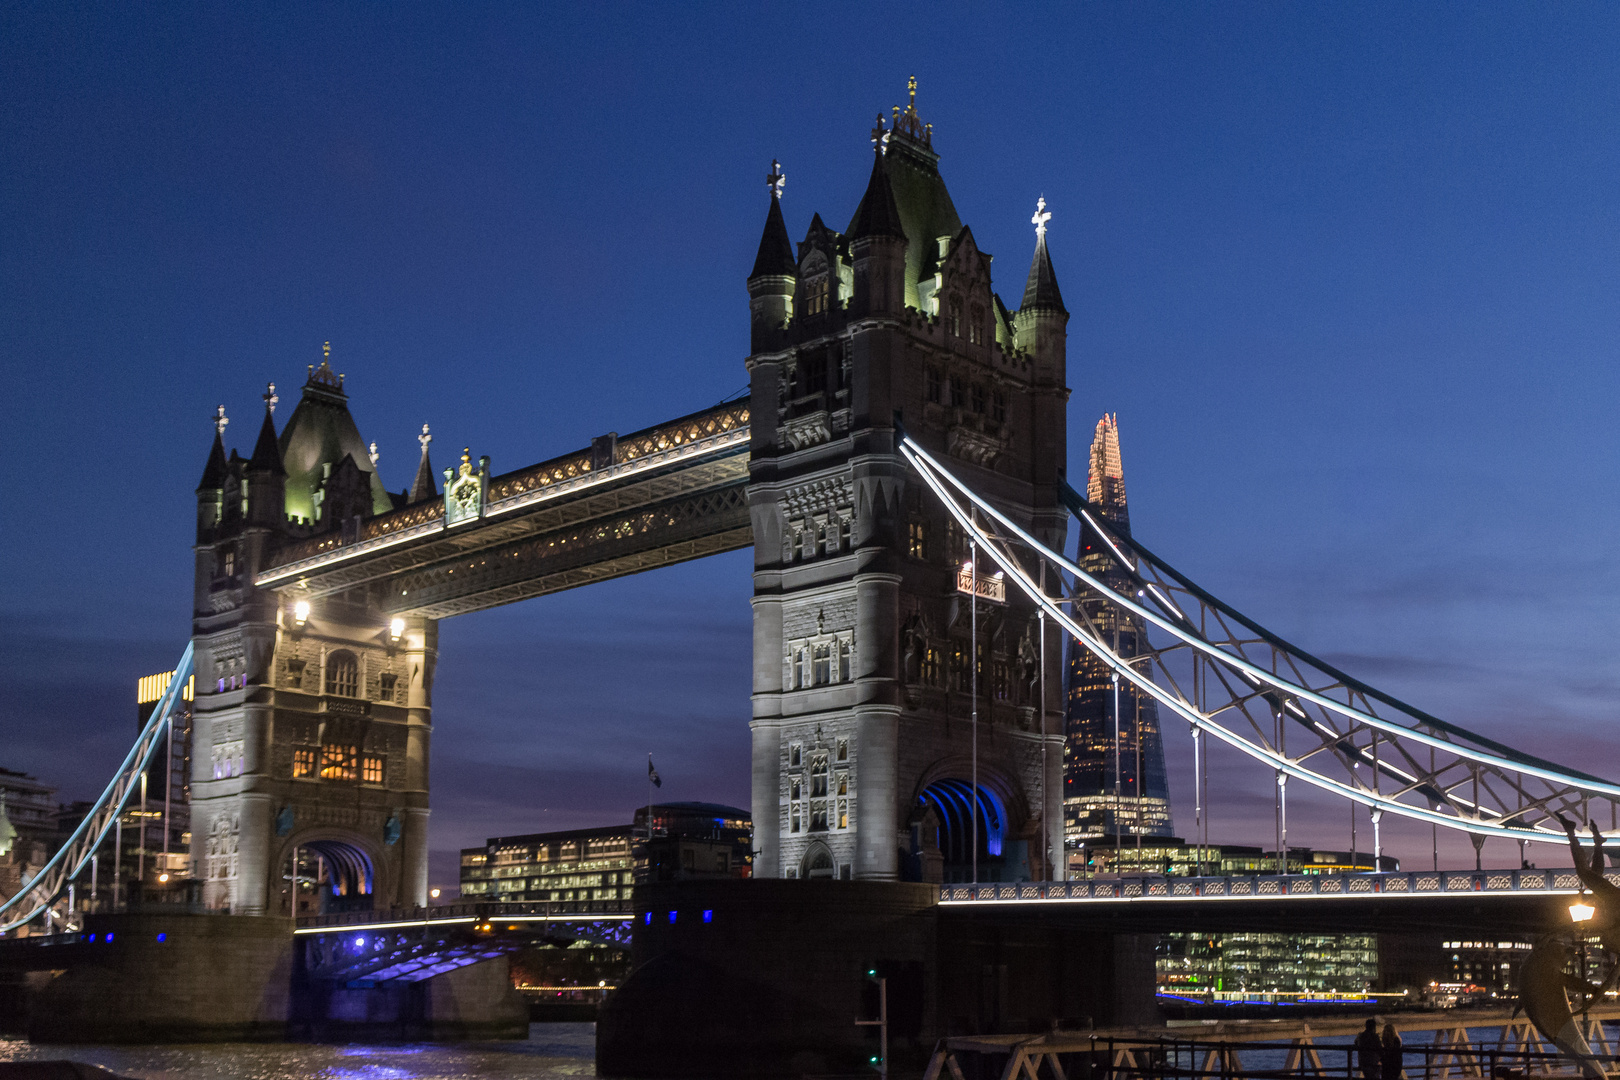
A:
<point x="1218" y="1050"/>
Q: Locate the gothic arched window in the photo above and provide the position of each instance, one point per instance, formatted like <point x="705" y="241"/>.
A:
<point x="342" y="674"/>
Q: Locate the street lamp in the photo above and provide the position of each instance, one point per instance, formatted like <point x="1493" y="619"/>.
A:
<point x="396" y="628"/>
<point x="1580" y="911"/>
<point x="301" y="612"/>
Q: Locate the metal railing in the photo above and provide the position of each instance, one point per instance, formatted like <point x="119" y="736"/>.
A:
<point x="1271" y="886"/>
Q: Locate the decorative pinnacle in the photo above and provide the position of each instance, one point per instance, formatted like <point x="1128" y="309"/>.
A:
<point x="326" y="351"/>
<point x="1042" y="216"/>
<point x="220" y="421"/>
<point x="372" y="452"/>
<point x="776" y="179"/>
<point x="880" y="136"/>
<point x="270" y="399"/>
<point x="424" y="439"/>
<point x="911" y="85"/>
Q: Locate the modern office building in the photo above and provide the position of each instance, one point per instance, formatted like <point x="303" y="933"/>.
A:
<point x="1290" y="966"/>
<point x="1113" y="758"/>
<point x="687" y="839"/>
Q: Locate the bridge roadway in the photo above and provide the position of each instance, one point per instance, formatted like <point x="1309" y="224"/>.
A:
<point x="1504" y="901"/>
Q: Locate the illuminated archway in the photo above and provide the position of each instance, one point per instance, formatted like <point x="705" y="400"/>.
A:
<point x="955" y="810"/>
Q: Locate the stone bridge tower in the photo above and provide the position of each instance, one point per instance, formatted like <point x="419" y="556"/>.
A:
<point x="312" y="720"/>
<point x="862" y="740"/>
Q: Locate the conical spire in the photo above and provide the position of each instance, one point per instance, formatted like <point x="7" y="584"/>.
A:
<point x="1041" y="289"/>
<point x="877" y="215"/>
<point x="267" y="451"/>
<point x="1105" y="486"/>
<point x="213" y="477"/>
<point x="775" y="249"/>
<point x="424" y="486"/>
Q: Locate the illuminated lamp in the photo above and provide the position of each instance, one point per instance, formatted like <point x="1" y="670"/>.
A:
<point x="433" y="893"/>
<point x="1580" y="911"/>
<point x="163" y="878"/>
<point x="301" y="612"/>
<point x="396" y="628"/>
<point x="359" y="942"/>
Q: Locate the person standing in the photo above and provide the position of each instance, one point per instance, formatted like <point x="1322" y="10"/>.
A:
<point x="1392" y="1060"/>
<point x="1369" y="1052"/>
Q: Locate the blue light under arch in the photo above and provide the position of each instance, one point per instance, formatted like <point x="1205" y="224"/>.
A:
<point x="954" y="802"/>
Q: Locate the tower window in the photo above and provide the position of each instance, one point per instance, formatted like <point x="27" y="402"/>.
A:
<point x="917" y="539"/>
<point x="818" y="775"/>
<point x="823" y="664"/>
<point x="386" y="683"/>
<point x="978" y="399"/>
<point x="953" y="316"/>
<point x="958" y="398"/>
<point x="227" y="563"/>
<point x="998" y="407"/>
<point x="339" y="762"/>
<point x="976" y="325"/>
<point x="815" y="295"/>
<point x="304" y="761"/>
<point x="342" y="674"/>
<point x="933" y="385"/>
<point x="371" y="769"/>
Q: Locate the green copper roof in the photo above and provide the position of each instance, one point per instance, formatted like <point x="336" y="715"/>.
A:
<point x="925" y="207"/>
<point x="319" y="434"/>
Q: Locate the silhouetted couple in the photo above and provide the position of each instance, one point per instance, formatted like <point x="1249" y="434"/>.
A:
<point x="1379" y="1059"/>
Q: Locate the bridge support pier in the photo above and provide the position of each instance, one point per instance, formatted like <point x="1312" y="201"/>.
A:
<point x="763" y="978"/>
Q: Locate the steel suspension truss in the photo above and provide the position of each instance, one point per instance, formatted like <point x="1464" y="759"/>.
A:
<point x="47" y="887"/>
<point x="1234" y="680"/>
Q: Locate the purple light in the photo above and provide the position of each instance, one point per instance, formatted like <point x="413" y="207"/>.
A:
<point x="708" y="915"/>
<point x="359" y="942"/>
<point x="109" y="937"/>
<point x="163" y="937"/>
<point x="672" y="916"/>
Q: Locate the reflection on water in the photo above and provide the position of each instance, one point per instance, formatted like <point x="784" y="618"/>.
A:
<point x="552" y="1050"/>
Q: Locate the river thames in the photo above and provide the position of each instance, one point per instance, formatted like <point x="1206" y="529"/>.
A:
<point x="551" y="1050"/>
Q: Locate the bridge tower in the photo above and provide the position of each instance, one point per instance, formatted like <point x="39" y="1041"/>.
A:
<point x="863" y="739"/>
<point x="312" y="720"/>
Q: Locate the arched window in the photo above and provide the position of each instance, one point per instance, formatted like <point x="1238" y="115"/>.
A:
<point x="342" y="674"/>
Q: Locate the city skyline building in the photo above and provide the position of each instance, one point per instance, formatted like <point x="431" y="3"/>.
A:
<point x="1114" y="782"/>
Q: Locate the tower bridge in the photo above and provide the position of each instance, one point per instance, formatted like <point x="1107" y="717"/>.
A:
<point x="897" y="469"/>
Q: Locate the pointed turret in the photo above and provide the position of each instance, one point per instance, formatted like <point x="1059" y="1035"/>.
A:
<point x="877" y="241"/>
<point x="213" y="477"/>
<point x="1105" y="483"/>
<point x="424" y="487"/>
<point x="211" y="488"/>
<point x="1041" y="287"/>
<point x="265" y="477"/>
<point x="877" y="215"/>
<point x="771" y="284"/>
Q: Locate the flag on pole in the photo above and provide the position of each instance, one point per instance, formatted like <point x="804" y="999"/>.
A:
<point x="652" y="773"/>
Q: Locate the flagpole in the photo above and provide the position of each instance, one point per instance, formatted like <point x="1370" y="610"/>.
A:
<point x="649" y="802"/>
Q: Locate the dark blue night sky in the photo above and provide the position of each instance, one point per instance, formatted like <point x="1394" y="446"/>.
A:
<point x="1348" y="274"/>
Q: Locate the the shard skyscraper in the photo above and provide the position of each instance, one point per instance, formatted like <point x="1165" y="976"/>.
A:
<point x="1114" y="783"/>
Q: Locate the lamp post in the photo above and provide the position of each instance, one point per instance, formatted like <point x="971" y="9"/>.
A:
<point x="1581" y="913"/>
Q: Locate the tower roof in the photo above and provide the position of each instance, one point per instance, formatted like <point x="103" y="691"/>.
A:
<point x="318" y="435"/>
<point x="213" y="476"/>
<point x="1041" y="288"/>
<point x="775" y="249"/>
<point x="923" y="206"/>
<point x="1105" y="484"/>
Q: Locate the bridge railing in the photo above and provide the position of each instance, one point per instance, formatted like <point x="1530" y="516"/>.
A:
<point x="470" y="910"/>
<point x="1271" y="886"/>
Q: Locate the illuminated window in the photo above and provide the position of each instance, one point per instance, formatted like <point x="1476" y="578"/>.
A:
<point x="933" y="384"/>
<point x="815" y="295"/>
<point x="371" y="769"/>
<point x="932" y="666"/>
<point x="342" y="674"/>
<point x="339" y="762"/>
<point x="917" y="539"/>
<point x="843" y="783"/>
<point x="227" y="563"/>
<point x="304" y="762"/>
<point x="843" y="813"/>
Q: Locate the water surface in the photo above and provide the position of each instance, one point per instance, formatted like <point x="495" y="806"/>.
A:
<point x="551" y="1050"/>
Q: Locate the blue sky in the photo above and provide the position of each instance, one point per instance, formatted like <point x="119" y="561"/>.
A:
<point x="1347" y="274"/>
